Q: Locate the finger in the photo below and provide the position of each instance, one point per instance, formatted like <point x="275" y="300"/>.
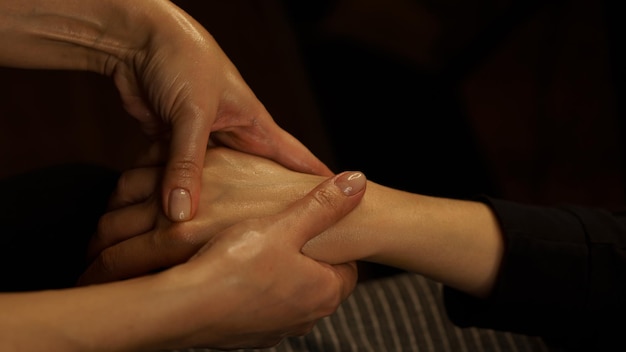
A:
<point x="119" y="225"/>
<point x="291" y="153"/>
<point x="134" y="186"/>
<point x="274" y="143"/>
<point x="348" y="275"/>
<point x="321" y="208"/>
<point x="137" y="256"/>
<point x="183" y="173"/>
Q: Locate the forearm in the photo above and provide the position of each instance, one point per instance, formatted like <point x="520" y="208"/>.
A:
<point x="455" y="242"/>
<point x="452" y="241"/>
<point x="122" y="316"/>
<point x="77" y="35"/>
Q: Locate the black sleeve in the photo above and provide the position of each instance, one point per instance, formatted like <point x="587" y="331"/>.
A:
<point x="563" y="277"/>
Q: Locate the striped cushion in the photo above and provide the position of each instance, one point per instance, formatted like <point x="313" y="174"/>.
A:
<point x="403" y="312"/>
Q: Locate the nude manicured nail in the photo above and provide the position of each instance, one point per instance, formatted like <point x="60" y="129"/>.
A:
<point x="351" y="182"/>
<point x="180" y="204"/>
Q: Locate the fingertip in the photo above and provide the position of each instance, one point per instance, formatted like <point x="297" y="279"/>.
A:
<point x="179" y="207"/>
<point x="351" y="182"/>
<point x="181" y="189"/>
<point x="323" y="206"/>
<point x="183" y="174"/>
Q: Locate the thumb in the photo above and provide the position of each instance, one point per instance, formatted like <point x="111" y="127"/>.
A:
<point x="182" y="180"/>
<point x="321" y="208"/>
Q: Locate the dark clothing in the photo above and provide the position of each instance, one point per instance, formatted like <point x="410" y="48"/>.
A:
<point x="48" y="217"/>
<point x="563" y="277"/>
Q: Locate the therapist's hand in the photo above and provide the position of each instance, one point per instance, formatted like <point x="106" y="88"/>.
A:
<point x="268" y="289"/>
<point x="172" y="77"/>
<point x="134" y="238"/>
<point x="181" y="86"/>
<point x="250" y="286"/>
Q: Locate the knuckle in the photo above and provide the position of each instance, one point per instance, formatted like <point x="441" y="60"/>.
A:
<point x="123" y="189"/>
<point x="270" y="342"/>
<point x="326" y="198"/>
<point x="106" y="265"/>
<point x="128" y="182"/>
<point x="330" y="303"/>
<point x="306" y="329"/>
<point x="328" y="309"/>
<point x="123" y="183"/>
<point x="179" y="235"/>
<point x="105" y="226"/>
<point x="186" y="169"/>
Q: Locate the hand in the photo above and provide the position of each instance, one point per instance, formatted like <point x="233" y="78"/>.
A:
<point x="171" y="75"/>
<point x="249" y="286"/>
<point x="268" y="288"/>
<point x="182" y="84"/>
<point x="134" y="238"/>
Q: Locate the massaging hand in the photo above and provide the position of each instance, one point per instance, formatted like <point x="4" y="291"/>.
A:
<point x="269" y="289"/>
<point x="250" y="286"/>
<point x="456" y="242"/>
<point x="171" y="74"/>
<point x="134" y="238"/>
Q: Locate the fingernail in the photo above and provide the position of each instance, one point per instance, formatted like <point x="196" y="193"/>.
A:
<point x="180" y="204"/>
<point x="351" y="182"/>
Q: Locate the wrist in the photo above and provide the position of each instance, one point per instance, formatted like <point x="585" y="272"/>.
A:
<point x="455" y="242"/>
<point x="156" y="312"/>
<point x="109" y="317"/>
<point x="189" y="291"/>
<point x="360" y="235"/>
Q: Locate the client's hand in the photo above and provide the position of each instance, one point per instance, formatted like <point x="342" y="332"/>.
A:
<point x="456" y="242"/>
<point x="250" y="285"/>
<point x="135" y="238"/>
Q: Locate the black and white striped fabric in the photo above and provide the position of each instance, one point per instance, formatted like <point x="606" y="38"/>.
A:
<point x="403" y="312"/>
